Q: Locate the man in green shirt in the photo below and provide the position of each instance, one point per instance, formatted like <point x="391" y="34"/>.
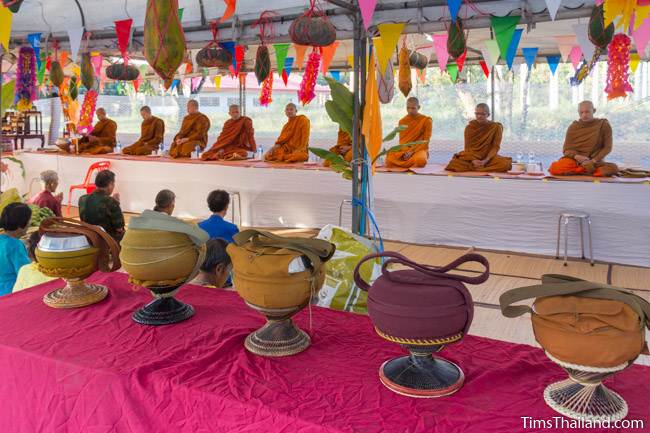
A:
<point x="101" y="208"/>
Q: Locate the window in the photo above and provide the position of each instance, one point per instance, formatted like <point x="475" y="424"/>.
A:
<point x="211" y="101"/>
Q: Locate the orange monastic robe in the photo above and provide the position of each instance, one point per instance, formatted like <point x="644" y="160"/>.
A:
<point x="152" y="132"/>
<point x="234" y="142"/>
<point x="291" y="145"/>
<point x="418" y="129"/>
<point x="591" y="139"/>
<point x="482" y="142"/>
<point x="195" y="127"/>
<point x="343" y="147"/>
<point x="105" y="130"/>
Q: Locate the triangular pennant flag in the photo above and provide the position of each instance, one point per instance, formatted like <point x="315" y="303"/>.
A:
<point x="285" y="77"/>
<point x="460" y="61"/>
<point x="422" y="75"/>
<point x="454" y="7"/>
<point x="634" y="61"/>
<point x="367" y="10"/>
<point x="230" y="47"/>
<point x="288" y="65"/>
<point x="440" y="44"/>
<point x="575" y="55"/>
<point x="386" y="42"/>
<point x="512" y="48"/>
<point x="564" y="44"/>
<point x="34" y="40"/>
<point x="96" y="60"/>
<point x="641" y="36"/>
<point x="217" y="81"/>
<point x="485" y="68"/>
<point x="300" y="55"/>
<point x="492" y="48"/>
<point x="504" y="30"/>
<point x="582" y="34"/>
<point x="553" y="6"/>
<point x="530" y="54"/>
<point x="5" y="26"/>
<point x="452" y="70"/>
<point x="351" y="60"/>
<point x="123" y="31"/>
<point x="281" y="51"/>
<point x="230" y="9"/>
<point x="180" y="14"/>
<point x="136" y="84"/>
<point x="328" y="55"/>
<point x="40" y="75"/>
<point x="239" y="57"/>
<point x="336" y="75"/>
<point x="75" y="35"/>
<point x="63" y="58"/>
<point x="553" y="61"/>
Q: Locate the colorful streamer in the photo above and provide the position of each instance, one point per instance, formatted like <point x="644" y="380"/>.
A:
<point x="306" y="93"/>
<point x="618" y="62"/>
<point x="25" y="90"/>
<point x="87" y="113"/>
<point x="266" y="91"/>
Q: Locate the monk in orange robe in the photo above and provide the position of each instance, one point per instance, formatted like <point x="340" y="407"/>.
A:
<point x="482" y="143"/>
<point x="152" y="132"/>
<point x="418" y="128"/>
<point x="103" y="137"/>
<point x="588" y="141"/>
<point x="194" y="132"/>
<point x="343" y="147"/>
<point x="236" y="138"/>
<point x="291" y="145"/>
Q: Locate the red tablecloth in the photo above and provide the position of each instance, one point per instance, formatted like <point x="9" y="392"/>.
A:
<point x="93" y="370"/>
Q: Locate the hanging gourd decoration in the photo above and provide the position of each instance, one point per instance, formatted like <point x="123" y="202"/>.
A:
<point x="13" y="5"/>
<point x="266" y="91"/>
<point x="87" y="112"/>
<point x="600" y="36"/>
<point x="618" y="63"/>
<point x="404" y="71"/>
<point x="25" y="89"/>
<point x="164" y="40"/>
<point x="313" y="28"/>
<point x="418" y="60"/>
<point x="262" y="63"/>
<point x="308" y="84"/>
<point x="122" y="72"/>
<point x="456" y="43"/>
<point x="74" y="88"/>
<point x="87" y="71"/>
<point x="386" y="83"/>
<point x="212" y="55"/>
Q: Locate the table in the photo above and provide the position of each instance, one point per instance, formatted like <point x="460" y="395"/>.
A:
<point x="93" y="370"/>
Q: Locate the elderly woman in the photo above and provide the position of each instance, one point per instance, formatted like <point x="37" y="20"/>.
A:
<point x="13" y="255"/>
<point x="46" y="198"/>
<point x="165" y="202"/>
<point x="216" y="267"/>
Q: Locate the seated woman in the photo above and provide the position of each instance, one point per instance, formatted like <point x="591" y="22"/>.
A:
<point x="13" y="255"/>
<point x="215" y="270"/>
<point x="46" y="198"/>
<point x="165" y="202"/>
<point x="29" y="275"/>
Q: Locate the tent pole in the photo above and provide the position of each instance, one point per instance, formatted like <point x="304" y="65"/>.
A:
<point x="356" y="120"/>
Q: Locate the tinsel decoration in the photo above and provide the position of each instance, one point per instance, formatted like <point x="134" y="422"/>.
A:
<point x="308" y="83"/>
<point x="618" y="62"/>
<point x="87" y="113"/>
<point x="25" y="90"/>
<point x="266" y="91"/>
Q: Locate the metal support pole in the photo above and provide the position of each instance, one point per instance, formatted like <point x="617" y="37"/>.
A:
<point x="356" y="120"/>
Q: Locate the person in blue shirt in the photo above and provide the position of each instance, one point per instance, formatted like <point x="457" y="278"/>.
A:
<point x="14" y="221"/>
<point x="216" y="226"/>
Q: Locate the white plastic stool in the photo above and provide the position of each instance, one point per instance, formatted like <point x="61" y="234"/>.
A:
<point x="566" y="218"/>
<point x="232" y="207"/>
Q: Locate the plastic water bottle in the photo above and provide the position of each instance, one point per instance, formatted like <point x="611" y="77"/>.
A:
<point x="197" y="151"/>
<point x="260" y="153"/>
<point x="119" y="146"/>
<point x="531" y="157"/>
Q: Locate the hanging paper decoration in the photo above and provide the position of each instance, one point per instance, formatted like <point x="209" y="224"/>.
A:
<point x="213" y="55"/>
<point x="625" y="13"/>
<point x="512" y="48"/>
<point x="87" y="71"/>
<point x="553" y="6"/>
<point x="164" y="40"/>
<point x="599" y="35"/>
<point x="367" y="8"/>
<point x="504" y="30"/>
<point x="454" y="7"/>
<point x="485" y="68"/>
<point x="327" y="56"/>
<point x="386" y="42"/>
<point x="217" y="81"/>
<point x="12" y="5"/>
<point x="25" y="88"/>
<point x="634" y="61"/>
<point x="5" y="26"/>
<point x="530" y="54"/>
<point x="404" y="71"/>
<point x="75" y="35"/>
<point x="641" y="36"/>
<point x="313" y="28"/>
<point x="452" y="70"/>
<point x="97" y="60"/>
<point x="460" y="61"/>
<point x="565" y="43"/>
<point x="300" y="55"/>
<point x="230" y="9"/>
<point x="553" y="61"/>
<point x="575" y="55"/>
<point x="456" y="44"/>
<point x="73" y="88"/>
<point x="386" y="83"/>
<point x="266" y="91"/>
<point x="618" y="62"/>
<point x="281" y="51"/>
<point x="440" y="45"/>
<point x="87" y="112"/>
<point x="288" y="64"/>
<point x="34" y="40"/>
<point x="491" y="52"/>
<point x="308" y="83"/>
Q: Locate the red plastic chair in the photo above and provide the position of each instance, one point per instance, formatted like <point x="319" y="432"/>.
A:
<point x="88" y="185"/>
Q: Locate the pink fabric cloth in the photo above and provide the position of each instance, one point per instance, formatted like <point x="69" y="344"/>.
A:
<point x="94" y="370"/>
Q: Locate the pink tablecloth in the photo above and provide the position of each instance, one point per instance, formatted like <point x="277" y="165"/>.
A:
<point x="93" y="370"/>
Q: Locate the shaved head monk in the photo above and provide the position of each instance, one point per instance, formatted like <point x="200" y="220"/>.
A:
<point x="103" y="137"/>
<point x="291" y="145"/>
<point x="194" y="132"/>
<point x="588" y="141"/>
<point x="343" y="147"/>
<point x="418" y="128"/>
<point x="482" y="143"/>
<point x="152" y="132"/>
<point x="236" y="138"/>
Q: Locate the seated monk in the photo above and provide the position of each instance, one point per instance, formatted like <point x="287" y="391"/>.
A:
<point x="588" y="141"/>
<point x="482" y="142"/>
<point x="343" y="147"/>
<point x="291" y="145"/>
<point x="102" y="139"/>
<point x="236" y="138"/>
<point x="418" y="129"/>
<point x="194" y="132"/>
<point x="152" y="132"/>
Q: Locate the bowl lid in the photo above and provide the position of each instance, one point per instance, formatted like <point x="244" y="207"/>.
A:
<point x="54" y="242"/>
